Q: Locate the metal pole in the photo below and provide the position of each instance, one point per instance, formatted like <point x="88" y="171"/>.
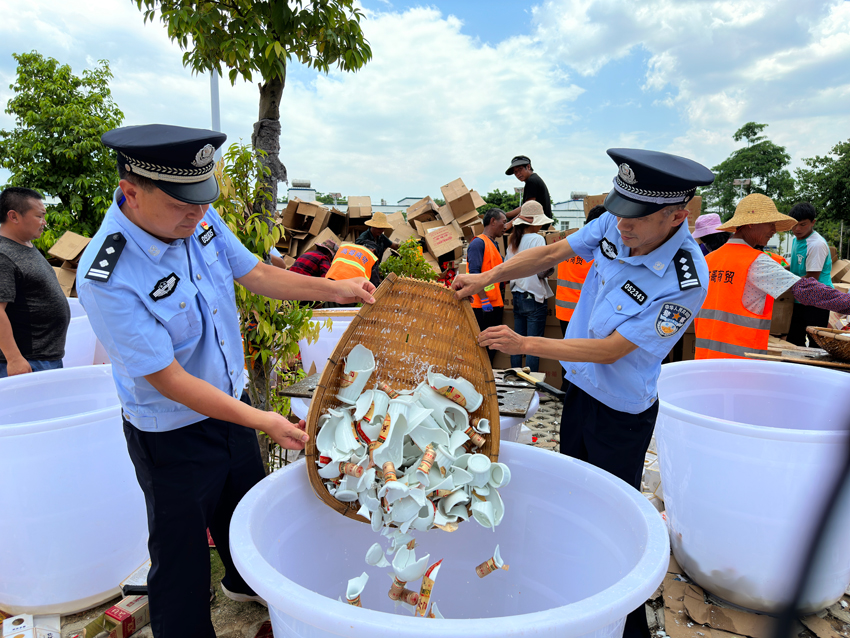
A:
<point x="215" y="107"/>
<point x="841" y="240"/>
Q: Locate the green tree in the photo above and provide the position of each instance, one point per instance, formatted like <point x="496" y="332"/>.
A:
<point x="759" y="167"/>
<point x="55" y="146"/>
<point x="825" y="182"/>
<point x="261" y="37"/>
<point x="500" y="199"/>
<point x="271" y="328"/>
<point x="325" y="198"/>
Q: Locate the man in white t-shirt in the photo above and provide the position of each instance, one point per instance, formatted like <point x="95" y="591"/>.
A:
<point x="810" y="257"/>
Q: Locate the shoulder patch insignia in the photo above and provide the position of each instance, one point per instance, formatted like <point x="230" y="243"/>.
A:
<point x="671" y="318"/>
<point x="207" y="233"/>
<point x="686" y="272"/>
<point x="634" y="292"/>
<point x="165" y="287"/>
<point x="608" y="249"/>
<point x="107" y="257"/>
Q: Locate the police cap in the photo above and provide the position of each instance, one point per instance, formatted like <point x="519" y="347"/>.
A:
<point x="180" y="161"/>
<point x="648" y="181"/>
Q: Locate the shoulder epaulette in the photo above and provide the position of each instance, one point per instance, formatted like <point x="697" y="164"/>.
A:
<point x="686" y="272"/>
<point x="107" y="257"/>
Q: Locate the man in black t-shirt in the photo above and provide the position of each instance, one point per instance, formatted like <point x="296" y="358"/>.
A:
<point x="34" y="314"/>
<point x="534" y="189"/>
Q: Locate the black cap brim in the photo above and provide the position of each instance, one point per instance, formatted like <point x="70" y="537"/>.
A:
<point x="205" y="192"/>
<point x="621" y="206"/>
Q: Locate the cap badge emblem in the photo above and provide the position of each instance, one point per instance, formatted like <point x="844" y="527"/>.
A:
<point x="627" y="174"/>
<point x="204" y="156"/>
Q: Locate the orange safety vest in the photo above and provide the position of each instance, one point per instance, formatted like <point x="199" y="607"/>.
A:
<point x="492" y="258"/>
<point x="725" y="329"/>
<point x="351" y="261"/>
<point x="571" y="276"/>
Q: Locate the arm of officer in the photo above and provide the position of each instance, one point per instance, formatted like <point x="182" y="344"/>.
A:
<point x="176" y="384"/>
<point x="528" y="262"/>
<point x="275" y="283"/>
<point x="608" y="350"/>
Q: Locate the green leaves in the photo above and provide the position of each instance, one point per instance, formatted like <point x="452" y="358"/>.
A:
<point x="409" y="262"/>
<point x="261" y="36"/>
<point x="55" y="146"/>
<point x="825" y="182"/>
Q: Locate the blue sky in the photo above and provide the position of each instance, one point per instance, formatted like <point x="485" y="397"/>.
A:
<point x="457" y="88"/>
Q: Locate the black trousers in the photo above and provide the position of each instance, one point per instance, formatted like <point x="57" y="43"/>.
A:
<point x="613" y="441"/>
<point x="488" y="319"/>
<point x="803" y="316"/>
<point x="192" y="479"/>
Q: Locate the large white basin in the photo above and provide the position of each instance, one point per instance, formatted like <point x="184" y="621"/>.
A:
<point x="76" y="307"/>
<point x="74" y="522"/>
<point x="318" y="353"/>
<point x="584" y="550"/>
<point x="79" y="343"/>
<point x="748" y="452"/>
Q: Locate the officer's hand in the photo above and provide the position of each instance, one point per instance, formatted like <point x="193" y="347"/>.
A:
<point x="356" y="290"/>
<point x="18" y="366"/>
<point x="286" y="434"/>
<point x="501" y="338"/>
<point x="467" y="285"/>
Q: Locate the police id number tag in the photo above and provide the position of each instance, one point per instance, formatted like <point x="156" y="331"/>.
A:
<point x="207" y="233"/>
<point x="634" y="292"/>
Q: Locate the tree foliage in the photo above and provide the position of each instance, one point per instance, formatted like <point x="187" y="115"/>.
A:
<point x="762" y="162"/>
<point x="55" y="146"/>
<point x="825" y="182"/>
<point x="501" y="199"/>
<point x="261" y="37"/>
<point x="409" y="263"/>
<point x="324" y="198"/>
<point x="271" y="328"/>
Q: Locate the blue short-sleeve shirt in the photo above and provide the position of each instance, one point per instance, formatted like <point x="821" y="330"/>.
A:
<point x="166" y="302"/>
<point x="650" y="300"/>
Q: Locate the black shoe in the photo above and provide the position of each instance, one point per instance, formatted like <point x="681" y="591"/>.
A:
<point x="243" y="598"/>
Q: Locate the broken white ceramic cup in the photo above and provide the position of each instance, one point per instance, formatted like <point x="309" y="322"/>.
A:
<point x="458" y="390"/>
<point x="355" y="588"/>
<point x="479" y="466"/>
<point x="482" y="512"/>
<point x="359" y="366"/>
<point x="500" y="475"/>
<point x="447" y="413"/>
<point x="375" y="556"/>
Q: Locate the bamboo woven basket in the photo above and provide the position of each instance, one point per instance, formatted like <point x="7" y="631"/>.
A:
<point x="412" y="325"/>
<point x="835" y="342"/>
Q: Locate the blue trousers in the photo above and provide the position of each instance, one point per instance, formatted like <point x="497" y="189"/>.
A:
<point x="37" y="366"/>
<point x="192" y="479"/>
<point x="529" y="321"/>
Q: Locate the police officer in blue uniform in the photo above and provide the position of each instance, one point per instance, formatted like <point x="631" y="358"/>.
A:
<point x="648" y="281"/>
<point x="157" y="282"/>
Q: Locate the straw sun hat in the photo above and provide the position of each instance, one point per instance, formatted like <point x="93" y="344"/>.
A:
<point x="532" y="214"/>
<point x="379" y="220"/>
<point x="758" y="209"/>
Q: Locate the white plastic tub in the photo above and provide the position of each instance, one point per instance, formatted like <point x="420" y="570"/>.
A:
<point x="79" y="343"/>
<point x="77" y="309"/>
<point x="584" y="550"/>
<point x="748" y="451"/>
<point x="317" y="353"/>
<point x="73" y="523"/>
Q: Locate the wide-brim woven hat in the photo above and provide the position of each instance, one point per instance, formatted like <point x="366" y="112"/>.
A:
<point x="758" y="209"/>
<point x="379" y="220"/>
<point x="532" y="214"/>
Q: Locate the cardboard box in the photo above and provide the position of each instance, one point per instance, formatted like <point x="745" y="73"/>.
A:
<point x="396" y="219"/>
<point x="121" y="620"/>
<point x="403" y="233"/>
<point x="442" y="240"/>
<point x="783" y="307"/>
<point x="67" y="277"/>
<point x="459" y="201"/>
<point x="338" y="222"/>
<point x="471" y="231"/>
<point x="593" y="200"/>
<point x="477" y="200"/>
<point x="554" y="236"/>
<point x="433" y="263"/>
<point x="424" y="210"/>
<point x="316" y="217"/>
<point x="290" y="218"/>
<point x="69" y="247"/>
<point x="359" y="207"/>
<point x="309" y="242"/>
<point x="694" y="208"/>
<point x="839" y="269"/>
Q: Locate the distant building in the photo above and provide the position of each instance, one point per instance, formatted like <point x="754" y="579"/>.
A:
<point x="568" y="214"/>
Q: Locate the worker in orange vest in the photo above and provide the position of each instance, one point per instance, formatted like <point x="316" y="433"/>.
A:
<point x="744" y="281"/>
<point x="571" y="276"/>
<point x="352" y="260"/>
<point x="483" y="255"/>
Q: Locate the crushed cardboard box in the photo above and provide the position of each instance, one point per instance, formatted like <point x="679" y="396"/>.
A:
<point x="473" y="230"/>
<point x="425" y="210"/>
<point x="359" y="207"/>
<point x="840" y="268"/>
<point x="308" y="243"/>
<point x="461" y="203"/>
<point x="69" y="247"/>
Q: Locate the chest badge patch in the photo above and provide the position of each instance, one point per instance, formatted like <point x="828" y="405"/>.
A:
<point x="608" y="249"/>
<point x="671" y="318"/>
<point x="207" y="233"/>
<point x="634" y="292"/>
<point x="165" y="287"/>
